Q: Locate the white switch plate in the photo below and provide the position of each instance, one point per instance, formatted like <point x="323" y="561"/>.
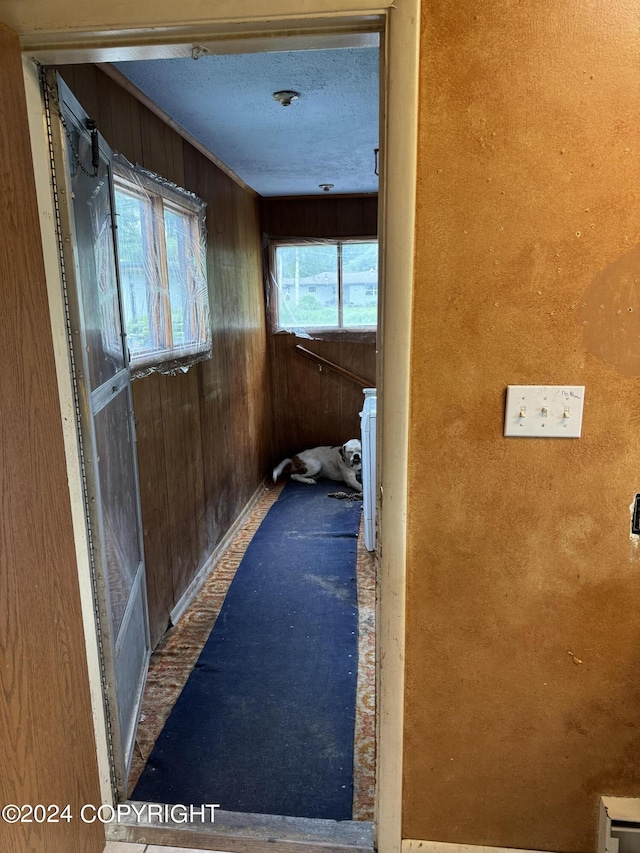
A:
<point x="544" y="411"/>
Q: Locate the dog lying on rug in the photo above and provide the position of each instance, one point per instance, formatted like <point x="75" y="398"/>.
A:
<point x="335" y="463"/>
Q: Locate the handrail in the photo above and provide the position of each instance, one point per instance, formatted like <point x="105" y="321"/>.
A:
<point x="324" y="362"/>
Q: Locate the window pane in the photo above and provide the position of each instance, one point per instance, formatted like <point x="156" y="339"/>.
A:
<point x="137" y="275"/>
<point x="176" y="229"/>
<point x="360" y="284"/>
<point x="308" y="286"/>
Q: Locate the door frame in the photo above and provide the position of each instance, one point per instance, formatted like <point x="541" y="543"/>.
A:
<point x="399" y="121"/>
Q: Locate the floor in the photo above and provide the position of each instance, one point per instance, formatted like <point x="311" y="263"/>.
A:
<point x="127" y="847"/>
<point x="178" y="652"/>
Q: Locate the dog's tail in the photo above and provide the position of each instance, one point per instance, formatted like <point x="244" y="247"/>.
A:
<point x="283" y="468"/>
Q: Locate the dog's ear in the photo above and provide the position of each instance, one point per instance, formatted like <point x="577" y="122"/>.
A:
<point x="342" y="453"/>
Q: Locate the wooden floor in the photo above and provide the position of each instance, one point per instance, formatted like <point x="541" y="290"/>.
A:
<point x="179" y="650"/>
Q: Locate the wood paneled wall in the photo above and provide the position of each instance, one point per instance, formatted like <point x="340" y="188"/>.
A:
<point x="313" y="406"/>
<point x="47" y="746"/>
<point x="204" y="437"/>
<point x="319" y="216"/>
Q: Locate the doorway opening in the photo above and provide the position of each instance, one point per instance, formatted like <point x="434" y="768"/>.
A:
<point x="328" y="276"/>
<point x="160" y="400"/>
<point x="395" y="320"/>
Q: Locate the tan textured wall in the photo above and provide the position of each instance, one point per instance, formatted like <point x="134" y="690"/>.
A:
<point x="523" y="639"/>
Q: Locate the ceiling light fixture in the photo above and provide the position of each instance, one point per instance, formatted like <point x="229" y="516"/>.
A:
<point x="326" y="187"/>
<point x="286" y="97"/>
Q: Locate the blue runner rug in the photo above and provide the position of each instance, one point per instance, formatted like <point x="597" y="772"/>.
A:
<point x="265" y="723"/>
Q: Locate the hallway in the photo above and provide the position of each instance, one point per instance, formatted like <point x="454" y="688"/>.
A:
<point x="174" y="659"/>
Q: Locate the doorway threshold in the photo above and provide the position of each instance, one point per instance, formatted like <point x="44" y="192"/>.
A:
<point x="236" y="832"/>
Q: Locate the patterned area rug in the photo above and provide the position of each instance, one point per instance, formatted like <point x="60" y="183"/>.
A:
<point x="180" y="648"/>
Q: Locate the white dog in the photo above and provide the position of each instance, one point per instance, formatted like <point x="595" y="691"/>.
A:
<point x="335" y="463"/>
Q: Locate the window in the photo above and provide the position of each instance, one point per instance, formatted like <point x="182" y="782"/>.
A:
<point x="324" y="284"/>
<point x="162" y="261"/>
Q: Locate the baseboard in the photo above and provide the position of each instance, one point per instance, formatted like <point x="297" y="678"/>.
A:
<point x="194" y="587"/>
<point x="410" y="845"/>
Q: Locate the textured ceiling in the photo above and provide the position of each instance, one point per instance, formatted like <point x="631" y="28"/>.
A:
<point x="328" y="135"/>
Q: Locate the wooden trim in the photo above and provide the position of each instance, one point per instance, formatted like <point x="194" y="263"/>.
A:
<point x="410" y="845"/>
<point x="365" y="335"/>
<point x="400" y="79"/>
<point x="244" y="31"/>
<point x="249" y="833"/>
<point x="330" y="365"/>
<point x="119" y="78"/>
<point x="40" y="154"/>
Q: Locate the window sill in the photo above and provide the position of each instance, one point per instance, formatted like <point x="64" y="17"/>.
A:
<point x="365" y="335"/>
<point x="169" y="367"/>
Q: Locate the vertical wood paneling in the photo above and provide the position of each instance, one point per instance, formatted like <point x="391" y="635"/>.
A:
<point x="124" y="133"/>
<point x="183" y="454"/>
<point x="317" y="216"/>
<point x="83" y="80"/>
<point x="235" y="410"/>
<point x="47" y="747"/>
<point x="313" y="406"/>
<point x="107" y="113"/>
<point x="135" y="108"/>
<point x="204" y="437"/>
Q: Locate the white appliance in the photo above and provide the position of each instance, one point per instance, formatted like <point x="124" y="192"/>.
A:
<point x="368" y="429"/>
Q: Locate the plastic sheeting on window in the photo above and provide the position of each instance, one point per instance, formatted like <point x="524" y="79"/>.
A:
<point x="315" y="286"/>
<point x="162" y="249"/>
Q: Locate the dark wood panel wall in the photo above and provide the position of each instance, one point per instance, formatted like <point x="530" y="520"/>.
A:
<point x="47" y="746"/>
<point x="313" y="406"/>
<point x="204" y="437"/>
<point x="319" y="216"/>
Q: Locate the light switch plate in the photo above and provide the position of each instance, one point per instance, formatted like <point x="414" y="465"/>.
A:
<point x="544" y="411"/>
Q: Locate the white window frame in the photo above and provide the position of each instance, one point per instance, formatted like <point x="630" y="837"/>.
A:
<point x="159" y="196"/>
<point x="275" y="287"/>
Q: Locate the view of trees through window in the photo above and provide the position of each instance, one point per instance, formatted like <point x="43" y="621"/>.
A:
<point x="327" y="284"/>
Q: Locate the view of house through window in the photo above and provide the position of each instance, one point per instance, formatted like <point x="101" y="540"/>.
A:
<point x="162" y="262"/>
<point x="326" y="284"/>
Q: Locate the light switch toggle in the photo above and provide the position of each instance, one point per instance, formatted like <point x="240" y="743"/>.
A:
<point x="567" y="412"/>
<point x="523" y="411"/>
<point x="545" y="411"/>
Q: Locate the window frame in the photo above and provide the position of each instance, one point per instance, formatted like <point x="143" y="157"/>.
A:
<point x="274" y="290"/>
<point x="157" y="196"/>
